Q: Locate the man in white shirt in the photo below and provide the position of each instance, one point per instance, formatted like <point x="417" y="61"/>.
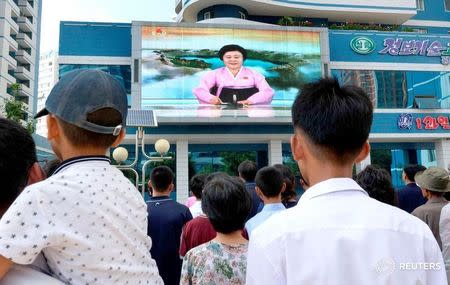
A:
<point x="444" y="231"/>
<point x="196" y="185"/>
<point x="337" y="234"/>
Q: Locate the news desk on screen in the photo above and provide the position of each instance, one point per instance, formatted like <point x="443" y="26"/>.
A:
<point x="223" y="114"/>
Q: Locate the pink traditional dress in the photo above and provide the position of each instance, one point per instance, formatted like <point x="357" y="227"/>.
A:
<point x="245" y="79"/>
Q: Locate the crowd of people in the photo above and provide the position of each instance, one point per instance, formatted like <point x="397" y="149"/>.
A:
<point x="82" y="222"/>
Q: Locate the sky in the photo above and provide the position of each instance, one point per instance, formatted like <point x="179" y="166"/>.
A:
<point x="54" y="11"/>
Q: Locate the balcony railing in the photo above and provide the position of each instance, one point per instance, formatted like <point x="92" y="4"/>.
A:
<point x="24" y="40"/>
<point x="26" y="8"/>
<point x="25" y="24"/>
<point x="23" y="57"/>
<point x="23" y="73"/>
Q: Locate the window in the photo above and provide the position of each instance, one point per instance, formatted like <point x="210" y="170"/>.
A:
<point x="207" y="15"/>
<point x="426" y="102"/>
<point x="447" y="5"/>
<point x="420" y="5"/>
<point x="242" y="15"/>
<point x="420" y="31"/>
<point x="431" y="155"/>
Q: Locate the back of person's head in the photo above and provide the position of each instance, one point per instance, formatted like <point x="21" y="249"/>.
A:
<point x="434" y="181"/>
<point x="270" y="181"/>
<point x="90" y="106"/>
<point x="289" y="180"/>
<point x="161" y="178"/>
<point x="378" y="184"/>
<point x="197" y="184"/>
<point x="80" y="137"/>
<point x="51" y="166"/>
<point x="226" y="203"/>
<point x="214" y="175"/>
<point x="17" y="156"/>
<point x="411" y="170"/>
<point x="247" y="170"/>
<point x="335" y="120"/>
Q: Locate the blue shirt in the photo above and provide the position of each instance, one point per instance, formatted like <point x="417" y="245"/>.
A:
<point x="267" y="211"/>
<point x="410" y="197"/>
<point x="166" y="219"/>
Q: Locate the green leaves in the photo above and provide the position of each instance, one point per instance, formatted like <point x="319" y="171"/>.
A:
<point x="16" y="110"/>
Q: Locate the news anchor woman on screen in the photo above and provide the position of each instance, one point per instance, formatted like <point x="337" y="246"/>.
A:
<point x="233" y="83"/>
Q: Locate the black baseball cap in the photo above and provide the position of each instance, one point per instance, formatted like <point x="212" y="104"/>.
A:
<point x="82" y="92"/>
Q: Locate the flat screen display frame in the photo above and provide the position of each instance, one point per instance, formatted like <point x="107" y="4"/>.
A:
<point x="147" y="96"/>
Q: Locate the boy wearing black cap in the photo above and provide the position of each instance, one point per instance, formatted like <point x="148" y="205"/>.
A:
<point x="87" y="218"/>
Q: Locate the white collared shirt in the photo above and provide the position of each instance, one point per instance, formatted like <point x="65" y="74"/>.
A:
<point x="88" y="220"/>
<point x="338" y="235"/>
<point x="196" y="209"/>
<point x="444" y="231"/>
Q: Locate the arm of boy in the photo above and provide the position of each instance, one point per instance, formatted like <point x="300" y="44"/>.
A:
<point x="26" y="229"/>
<point x="5" y="265"/>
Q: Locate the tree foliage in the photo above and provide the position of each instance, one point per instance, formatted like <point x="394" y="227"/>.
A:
<point x="16" y="110"/>
<point x="231" y="160"/>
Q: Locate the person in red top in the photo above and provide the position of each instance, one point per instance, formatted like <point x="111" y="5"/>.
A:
<point x="196" y="232"/>
<point x="199" y="230"/>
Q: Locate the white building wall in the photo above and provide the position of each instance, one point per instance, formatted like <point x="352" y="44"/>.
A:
<point x="48" y="76"/>
<point x="18" y="40"/>
<point x="182" y="170"/>
<point x="275" y="152"/>
<point x="443" y="153"/>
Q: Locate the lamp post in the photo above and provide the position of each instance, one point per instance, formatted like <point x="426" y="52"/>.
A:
<point x="120" y="155"/>
<point x="141" y="119"/>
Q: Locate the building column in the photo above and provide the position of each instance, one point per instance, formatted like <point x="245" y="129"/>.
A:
<point x="275" y="152"/>
<point x="182" y="171"/>
<point x="443" y="153"/>
<point x="361" y="165"/>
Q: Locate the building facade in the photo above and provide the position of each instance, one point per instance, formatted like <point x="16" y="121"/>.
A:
<point x="20" y="32"/>
<point x="48" y="76"/>
<point x="395" y="80"/>
<point x="404" y="70"/>
<point x="425" y="16"/>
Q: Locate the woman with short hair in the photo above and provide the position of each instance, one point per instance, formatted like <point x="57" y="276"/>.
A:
<point x="233" y="79"/>
<point x="223" y="260"/>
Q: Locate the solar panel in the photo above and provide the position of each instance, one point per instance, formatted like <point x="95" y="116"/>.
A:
<point x="141" y="118"/>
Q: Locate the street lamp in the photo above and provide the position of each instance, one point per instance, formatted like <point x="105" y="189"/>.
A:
<point x="141" y="119"/>
<point x="120" y="155"/>
<point x="162" y="146"/>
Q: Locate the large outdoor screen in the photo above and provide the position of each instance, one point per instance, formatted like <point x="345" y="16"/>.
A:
<point x="176" y="58"/>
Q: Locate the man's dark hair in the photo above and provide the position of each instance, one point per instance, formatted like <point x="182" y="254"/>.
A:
<point x="378" y="184"/>
<point x="247" y="170"/>
<point x="80" y="137"/>
<point x="17" y="156"/>
<point x="161" y="178"/>
<point x="289" y="180"/>
<point x="226" y="203"/>
<point x="197" y="184"/>
<point x="270" y="181"/>
<point x="411" y="171"/>
<point x="335" y="119"/>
